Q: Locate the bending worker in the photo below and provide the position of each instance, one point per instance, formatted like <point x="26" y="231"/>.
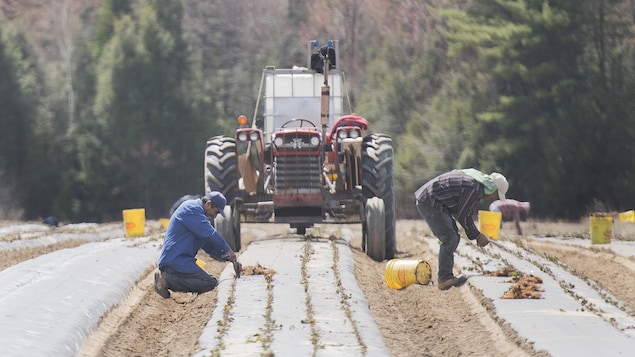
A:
<point x="451" y="197"/>
<point x="511" y="211"/>
<point x="188" y="231"/>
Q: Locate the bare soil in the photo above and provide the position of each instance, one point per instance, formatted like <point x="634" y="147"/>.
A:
<point x="418" y="320"/>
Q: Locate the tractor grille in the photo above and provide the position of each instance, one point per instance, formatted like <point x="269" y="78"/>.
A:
<point x="300" y="174"/>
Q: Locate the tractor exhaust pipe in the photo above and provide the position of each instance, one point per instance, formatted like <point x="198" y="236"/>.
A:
<point x="325" y="97"/>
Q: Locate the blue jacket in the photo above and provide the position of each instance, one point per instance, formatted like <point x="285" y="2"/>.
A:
<point x="188" y="231"/>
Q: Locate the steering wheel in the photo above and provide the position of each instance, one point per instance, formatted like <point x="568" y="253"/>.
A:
<point x="300" y="121"/>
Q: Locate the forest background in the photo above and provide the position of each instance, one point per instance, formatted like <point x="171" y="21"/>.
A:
<point x="107" y="104"/>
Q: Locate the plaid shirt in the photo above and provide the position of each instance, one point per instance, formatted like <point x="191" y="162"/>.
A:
<point x="456" y="194"/>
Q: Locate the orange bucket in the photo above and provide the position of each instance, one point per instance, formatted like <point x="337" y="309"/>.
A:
<point x="400" y="273"/>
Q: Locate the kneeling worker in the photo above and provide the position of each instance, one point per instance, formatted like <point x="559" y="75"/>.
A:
<point x="188" y="231"/>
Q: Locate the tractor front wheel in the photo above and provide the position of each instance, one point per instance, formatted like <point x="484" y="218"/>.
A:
<point x="374" y="232"/>
<point x="229" y="227"/>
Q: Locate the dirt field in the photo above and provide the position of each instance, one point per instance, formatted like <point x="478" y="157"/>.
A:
<point x="416" y="321"/>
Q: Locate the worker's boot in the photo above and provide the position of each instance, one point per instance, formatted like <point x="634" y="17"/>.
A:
<point x="448" y="283"/>
<point x="160" y="286"/>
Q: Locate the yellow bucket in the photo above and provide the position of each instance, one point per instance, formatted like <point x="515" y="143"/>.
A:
<point x="134" y="221"/>
<point x="164" y="222"/>
<point x="489" y="223"/>
<point x="601" y="229"/>
<point x="628" y="216"/>
<point x="400" y="273"/>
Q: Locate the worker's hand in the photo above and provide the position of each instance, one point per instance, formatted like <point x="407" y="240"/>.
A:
<point x="482" y="240"/>
<point x="237" y="269"/>
<point x="230" y="256"/>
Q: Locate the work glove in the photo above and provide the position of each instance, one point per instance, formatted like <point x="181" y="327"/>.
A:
<point x="231" y="257"/>
<point x="237" y="268"/>
<point x="481" y="240"/>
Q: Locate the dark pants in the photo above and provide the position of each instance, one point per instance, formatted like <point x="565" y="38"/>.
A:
<point x="444" y="227"/>
<point x="198" y="282"/>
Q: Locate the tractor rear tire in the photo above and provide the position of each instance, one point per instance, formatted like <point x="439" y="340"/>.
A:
<point x="178" y="202"/>
<point x="221" y="167"/>
<point x="374" y="233"/>
<point x="221" y="174"/>
<point x="378" y="181"/>
<point x="229" y="227"/>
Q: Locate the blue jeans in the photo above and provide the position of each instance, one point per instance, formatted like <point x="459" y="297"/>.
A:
<point x="444" y="227"/>
<point x="198" y="282"/>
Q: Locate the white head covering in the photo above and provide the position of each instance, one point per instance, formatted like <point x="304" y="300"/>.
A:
<point x="501" y="184"/>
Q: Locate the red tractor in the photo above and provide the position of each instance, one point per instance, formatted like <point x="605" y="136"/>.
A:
<point x="303" y="160"/>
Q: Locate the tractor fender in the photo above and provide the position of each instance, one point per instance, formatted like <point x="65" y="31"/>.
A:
<point x="348" y="120"/>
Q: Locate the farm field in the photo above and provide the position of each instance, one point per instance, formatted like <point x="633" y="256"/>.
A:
<point x="585" y="290"/>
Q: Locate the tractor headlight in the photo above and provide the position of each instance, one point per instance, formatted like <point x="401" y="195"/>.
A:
<point x="315" y="141"/>
<point x="253" y="136"/>
<point x="342" y="134"/>
<point x="242" y="136"/>
<point x="278" y="141"/>
<point x="354" y="134"/>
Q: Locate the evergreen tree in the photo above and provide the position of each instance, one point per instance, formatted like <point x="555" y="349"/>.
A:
<point x="145" y="148"/>
<point x="412" y="95"/>
<point x="541" y="118"/>
<point x="17" y="90"/>
<point x="108" y="13"/>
